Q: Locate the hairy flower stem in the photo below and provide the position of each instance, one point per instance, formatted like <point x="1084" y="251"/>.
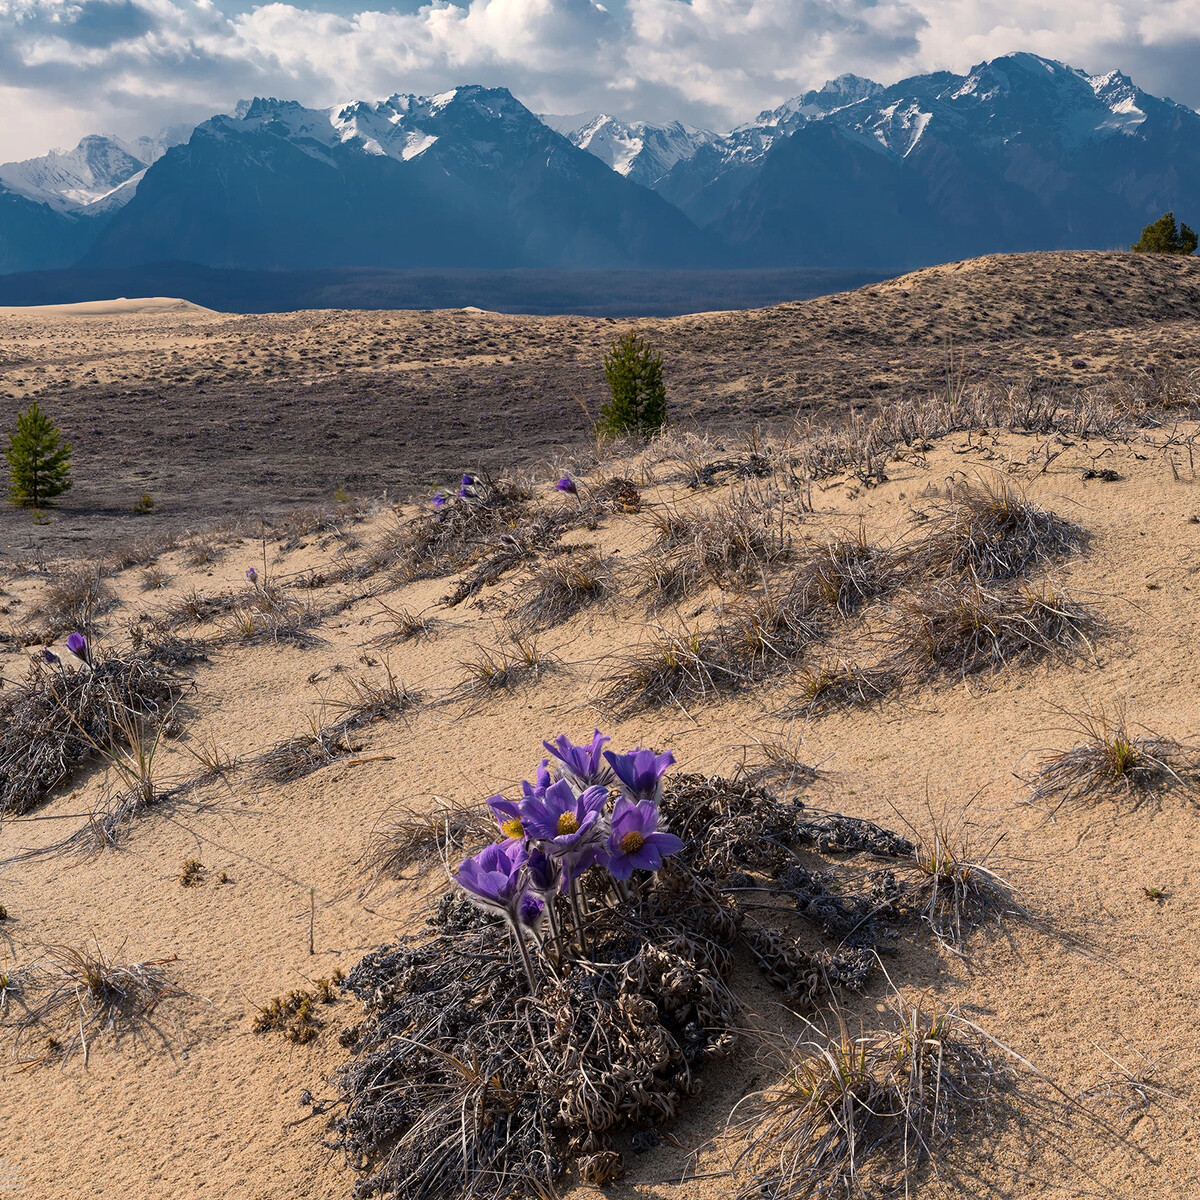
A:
<point x="516" y="933"/>
<point x="577" y="912"/>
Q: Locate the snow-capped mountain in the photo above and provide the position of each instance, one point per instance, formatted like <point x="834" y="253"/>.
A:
<point x="1021" y="153"/>
<point x="99" y="175"/>
<point x="705" y="183"/>
<point x="468" y="178"/>
<point x="639" y="150"/>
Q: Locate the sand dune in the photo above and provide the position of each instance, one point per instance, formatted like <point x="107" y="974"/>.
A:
<point x="106" y="308"/>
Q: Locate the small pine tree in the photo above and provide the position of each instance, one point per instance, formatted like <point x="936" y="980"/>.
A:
<point x="1161" y="237"/>
<point x="635" y="378"/>
<point x="39" y="461"/>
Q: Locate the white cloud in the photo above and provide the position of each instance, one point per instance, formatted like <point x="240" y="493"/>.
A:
<point x="69" y="67"/>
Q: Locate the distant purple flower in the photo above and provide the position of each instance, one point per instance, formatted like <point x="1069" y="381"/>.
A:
<point x="508" y="816"/>
<point x="48" y="656"/>
<point x="439" y="501"/>
<point x="1078" y="364"/>
<point x="494" y="878"/>
<point x="635" y="841"/>
<point x="640" y="772"/>
<point x="567" y="484"/>
<point x="251" y="575"/>
<point x="464" y="493"/>
<point x="543" y="781"/>
<point x="582" y="765"/>
<point x="77" y="644"/>
<point x="468" y="481"/>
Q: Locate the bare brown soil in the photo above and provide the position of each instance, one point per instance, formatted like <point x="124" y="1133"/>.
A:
<point x="215" y="414"/>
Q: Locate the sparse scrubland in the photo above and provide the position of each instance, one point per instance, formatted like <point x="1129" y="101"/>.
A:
<point x="295" y="857"/>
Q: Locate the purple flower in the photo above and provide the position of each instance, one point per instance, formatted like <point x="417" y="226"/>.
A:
<point x="567" y="484"/>
<point x="439" y="501"/>
<point x="640" y="772"/>
<point x="635" y="840"/>
<point x="77" y="644"/>
<point x="543" y="781"/>
<point x="530" y="911"/>
<point x="495" y="877"/>
<point x="568" y="825"/>
<point x="464" y="493"/>
<point x="468" y="481"/>
<point x="48" y="656"/>
<point x="545" y="873"/>
<point x="251" y="575"/>
<point x="582" y="765"/>
<point x="508" y="816"/>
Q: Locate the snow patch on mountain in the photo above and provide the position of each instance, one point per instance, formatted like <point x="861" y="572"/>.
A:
<point x="639" y="150"/>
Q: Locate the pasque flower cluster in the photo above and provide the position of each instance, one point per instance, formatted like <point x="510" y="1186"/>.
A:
<point x="601" y="810"/>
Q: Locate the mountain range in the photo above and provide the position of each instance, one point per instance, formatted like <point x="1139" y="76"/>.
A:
<point x="1021" y="153"/>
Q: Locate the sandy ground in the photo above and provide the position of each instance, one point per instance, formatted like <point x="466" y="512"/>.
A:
<point x="206" y="1107"/>
<point x="214" y="415"/>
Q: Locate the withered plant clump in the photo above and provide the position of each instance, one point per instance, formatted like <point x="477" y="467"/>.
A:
<point x="60" y="718"/>
<point x="1113" y="760"/>
<point x="471" y="1077"/>
<point x="71" y="995"/>
<point x="960" y="628"/>
<point x="457" y="533"/>
<point x="989" y="531"/>
<point x="869" y="1114"/>
<point x="560" y="589"/>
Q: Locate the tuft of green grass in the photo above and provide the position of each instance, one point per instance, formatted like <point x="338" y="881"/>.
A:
<point x="868" y="1114"/>
<point x="1112" y="760"/>
<point x="192" y="874"/>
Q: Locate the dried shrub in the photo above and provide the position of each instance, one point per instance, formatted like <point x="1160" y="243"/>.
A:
<point x="72" y="995"/>
<point x="73" y="599"/>
<point x="57" y="719"/>
<point x="546" y="1077"/>
<point x="960" y="628"/>
<point x="405" y="626"/>
<point x="560" y="589"/>
<point x="988" y="531"/>
<point x="870" y="1114"/>
<point x="1113" y="761"/>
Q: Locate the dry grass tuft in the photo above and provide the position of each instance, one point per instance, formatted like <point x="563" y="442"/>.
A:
<point x="868" y="1115"/>
<point x="990" y="532"/>
<point x="73" y="995"/>
<point x="501" y="668"/>
<point x="1111" y="760"/>
<point x="405" y="626"/>
<point x="950" y="886"/>
<point x="561" y="589"/>
<point x="847" y="572"/>
<point x="829" y="688"/>
<point x="58" y="719"/>
<point x="675" y="668"/>
<point x="960" y="628"/>
<point x="405" y="838"/>
<point x="72" y="600"/>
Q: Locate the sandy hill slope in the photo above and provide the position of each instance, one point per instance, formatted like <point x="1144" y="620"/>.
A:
<point x="825" y="615"/>
<point x="213" y="414"/>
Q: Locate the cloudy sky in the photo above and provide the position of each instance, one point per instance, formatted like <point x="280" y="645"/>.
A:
<point x="70" y="67"/>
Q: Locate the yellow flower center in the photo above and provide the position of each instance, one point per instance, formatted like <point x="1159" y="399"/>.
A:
<point x="568" y="823"/>
<point x="512" y="828"/>
<point x="632" y="842"/>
